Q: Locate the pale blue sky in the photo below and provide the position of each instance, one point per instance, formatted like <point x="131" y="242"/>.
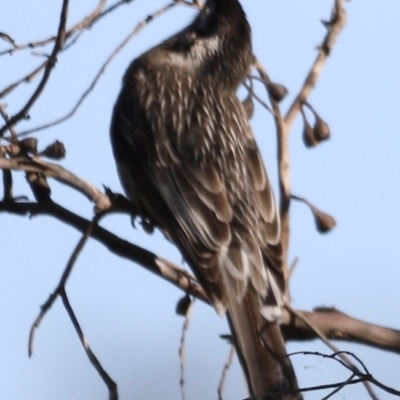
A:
<point x="128" y="314"/>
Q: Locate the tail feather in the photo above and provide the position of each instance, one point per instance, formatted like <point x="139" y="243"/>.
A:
<point x="261" y="349"/>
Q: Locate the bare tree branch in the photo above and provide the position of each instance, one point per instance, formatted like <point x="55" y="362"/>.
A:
<point x="342" y="355"/>
<point x="284" y="124"/>
<point x="122" y="248"/>
<point x="7" y="177"/>
<point x="61" y="285"/>
<point x="324" y="323"/>
<point x="111" y="385"/>
<point x="363" y="377"/>
<point x="283" y="168"/>
<point x="136" y="31"/>
<point x="46" y="75"/>
<point x="28" y="78"/>
<point x="55" y="171"/>
<point x="225" y="371"/>
<point x="182" y="349"/>
<point x="88" y="21"/>
<point x="336" y="325"/>
<point x="333" y="323"/>
<point x="76" y="30"/>
<point x="334" y="27"/>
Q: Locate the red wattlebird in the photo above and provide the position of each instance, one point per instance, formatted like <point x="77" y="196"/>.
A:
<point x="187" y="158"/>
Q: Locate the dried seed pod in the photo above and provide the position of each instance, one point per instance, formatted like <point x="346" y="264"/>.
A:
<point x="248" y="106"/>
<point x="183" y="305"/>
<point x="55" y="151"/>
<point x="323" y="221"/>
<point x="309" y="135"/>
<point x="29" y="145"/>
<point x="321" y="129"/>
<point x="277" y="91"/>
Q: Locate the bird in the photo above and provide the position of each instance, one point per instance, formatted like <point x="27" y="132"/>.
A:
<point x="188" y="160"/>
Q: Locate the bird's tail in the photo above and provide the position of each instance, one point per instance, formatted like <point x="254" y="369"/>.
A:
<point x="261" y="350"/>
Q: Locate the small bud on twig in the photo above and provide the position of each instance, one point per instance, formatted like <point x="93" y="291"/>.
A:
<point x="276" y="91"/>
<point x="309" y="135"/>
<point x="320" y="132"/>
<point x="321" y="129"/>
<point x="29" y="145"/>
<point x="183" y="305"/>
<point x="55" y="151"/>
<point x="323" y="221"/>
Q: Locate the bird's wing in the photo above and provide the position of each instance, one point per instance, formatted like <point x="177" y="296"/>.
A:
<point x="227" y="231"/>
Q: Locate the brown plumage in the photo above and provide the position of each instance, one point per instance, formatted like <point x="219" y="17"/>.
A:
<point x="187" y="157"/>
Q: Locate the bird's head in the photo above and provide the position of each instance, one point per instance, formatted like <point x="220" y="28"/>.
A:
<point x="222" y="40"/>
<point x="216" y="45"/>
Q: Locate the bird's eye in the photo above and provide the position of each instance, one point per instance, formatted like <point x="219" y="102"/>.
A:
<point x="204" y="17"/>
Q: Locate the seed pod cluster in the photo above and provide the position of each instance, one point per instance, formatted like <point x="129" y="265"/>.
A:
<point x="313" y="135"/>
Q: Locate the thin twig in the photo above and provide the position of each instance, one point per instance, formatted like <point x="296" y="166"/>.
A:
<point x="283" y="171"/>
<point x="182" y="349"/>
<point x="340" y="387"/>
<point x="61" y="285"/>
<point x="46" y="75"/>
<point x="7" y="186"/>
<point x="55" y="171"/>
<point x="284" y="124"/>
<point x="6" y="118"/>
<point x="258" y="98"/>
<point x="111" y="385"/>
<point x="161" y="267"/>
<point x="225" y="371"/>
<point x="27" y="78"/>
<point x="81" y="99"/>
<point x="363" y="377"/>
<point x="88" y="21"/>
<point x="7" y="176"/>
<point x="122" y="248"/>
<point x="334" y="26"/>
<point x="84" y="24"/>
<point x="293" y="267"/>
<point x="111" y="9"/>
<point x="328" y="343"/>
<point x="276" y="395"/>
<point x="332" y="322"/>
